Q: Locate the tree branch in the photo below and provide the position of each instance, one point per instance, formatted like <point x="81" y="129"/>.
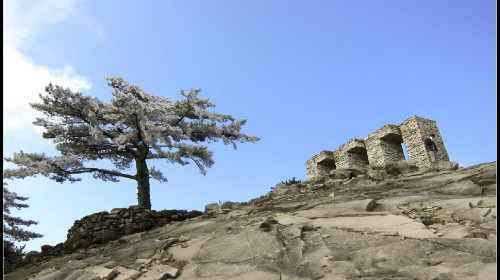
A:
<point x="104" y="171"/>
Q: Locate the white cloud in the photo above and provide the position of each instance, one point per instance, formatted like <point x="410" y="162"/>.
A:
<point x="25" y="19"/>
<point x="24" y="22"/>
<point x="23" y="79"/>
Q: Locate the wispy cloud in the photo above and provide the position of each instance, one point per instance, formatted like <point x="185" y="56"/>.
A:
<point x="23" y="78"/>
<point x="24" y="19"/>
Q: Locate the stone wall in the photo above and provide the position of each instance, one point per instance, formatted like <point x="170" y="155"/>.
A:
<point x="414" y="131"/>
<point x="320" y="164"/>
<point x="351" y="154"/>
<point x="382" y="147"/>
<point x="103" y="227"/>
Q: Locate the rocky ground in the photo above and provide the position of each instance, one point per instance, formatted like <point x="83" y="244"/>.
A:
<point x="421" y="224"/>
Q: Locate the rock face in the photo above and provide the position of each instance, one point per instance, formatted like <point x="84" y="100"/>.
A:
<point x="418" y="224"/>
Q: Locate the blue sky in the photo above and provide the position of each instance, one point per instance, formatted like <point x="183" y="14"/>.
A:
<point x="308" y="76"/>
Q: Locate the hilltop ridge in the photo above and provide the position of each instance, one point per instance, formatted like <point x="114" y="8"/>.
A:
<point x="393" y="222"/>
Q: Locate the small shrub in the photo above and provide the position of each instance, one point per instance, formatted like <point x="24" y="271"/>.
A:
<point x="290" y="182"/>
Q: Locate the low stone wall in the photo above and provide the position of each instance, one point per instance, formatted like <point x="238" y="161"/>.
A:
<point x="106" y="226"/>
<point x="103" y="226"/>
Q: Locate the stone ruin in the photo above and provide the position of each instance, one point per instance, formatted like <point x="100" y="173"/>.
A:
<point x="382" y="147"/>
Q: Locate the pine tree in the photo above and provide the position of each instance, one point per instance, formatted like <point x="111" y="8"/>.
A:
<point x="12" y="231"/>
<point x="133" y="128"/>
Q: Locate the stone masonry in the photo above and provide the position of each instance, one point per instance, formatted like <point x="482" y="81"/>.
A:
<point x="384" y="145"/>
<point x="414" y="131"/>
<point x="103" y="227"/>
<point x="351" y="154"/>
<point x="381" y="147"/>
<point x="320" y="164"/>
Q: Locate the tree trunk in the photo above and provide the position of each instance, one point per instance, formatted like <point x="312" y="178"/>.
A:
<point x="143" y="196"/>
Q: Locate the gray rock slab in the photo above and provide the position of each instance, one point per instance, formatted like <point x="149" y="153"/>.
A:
<point x="466" y="188"/>
<point x="390" y="259"/>
<point x="387" y="224"/>
<point x="101" y="272"/>
<point x="74" y="265"/>
<point x="289" y="206"/>
<point x="217" y="271"/>
<point x="474" y="246"/>
<point x="343" y="270"/>
<point x="292" y="220"/>
<point x="491" y="225"/>
<point x="246" y="245"/>
<point x="474" y="214"/>
<point x="449" y="206"/>
<point x="189" y="250"/>
<point x="160" y="272"/>
<point x="124" y="273"/>
<point x="92" y="273"/>
<point x="337" y="208"/>
<point x="50" y="274"/>
<point x="458" y="231"/>
<point x="488" y="202"/>
<point x="81" y="275"/>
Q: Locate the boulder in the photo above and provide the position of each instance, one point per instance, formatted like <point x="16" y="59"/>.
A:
<point x="401" y="167"/>
<point x="279" y="189"/>
<point x="212" y="210"/>
<point x="159" y="272"/>
<point x="340" y="174"/>
<point x="447" y="165"/>
<point x="333" y="183"/>
<point x="464" y="188"/>
<point x="357" y="171"/>
<point x="126" y="274"/>
<point x="376" y="175"/>
<point x="229" y="205"/>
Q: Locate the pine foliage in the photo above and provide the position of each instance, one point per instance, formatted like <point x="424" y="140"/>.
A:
<point x="12" y="230"/>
